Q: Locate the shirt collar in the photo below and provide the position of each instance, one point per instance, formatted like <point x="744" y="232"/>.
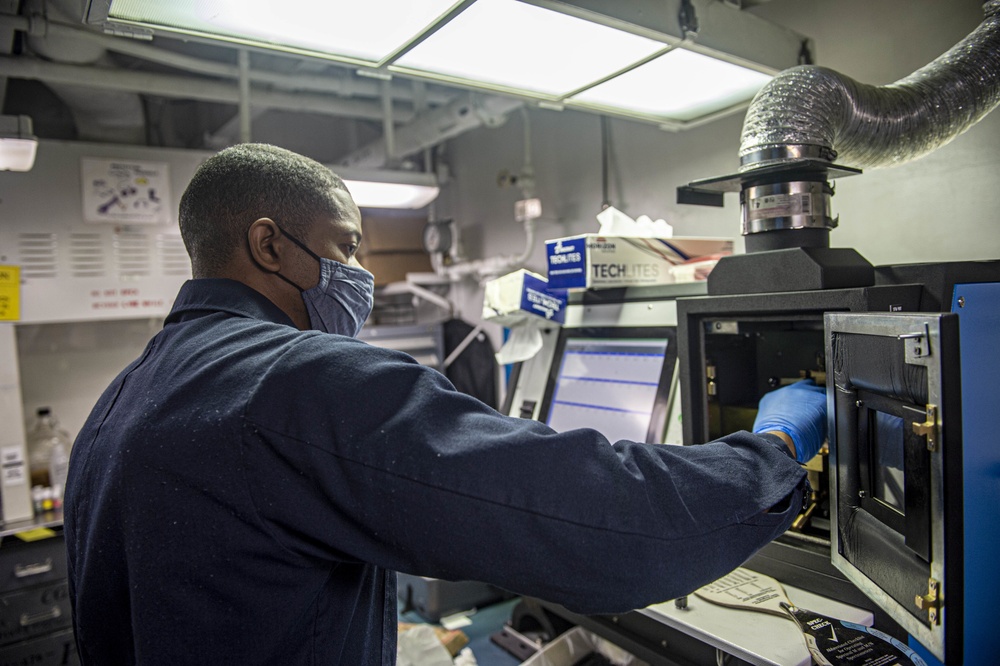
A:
<point x="204" y="295"/>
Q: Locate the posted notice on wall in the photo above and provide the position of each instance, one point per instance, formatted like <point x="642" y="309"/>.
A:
<point x="10" y="293"/>
<point x="125" y="191"/>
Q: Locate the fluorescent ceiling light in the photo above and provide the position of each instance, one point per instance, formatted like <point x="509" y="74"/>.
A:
<point x="524" y="47"/>
<point x="389" y="189"/>
<point x="369" y="29"/>
<point x="679" y="85"/>
<point x="618" y="58"/>
<point x="17" y="144"/>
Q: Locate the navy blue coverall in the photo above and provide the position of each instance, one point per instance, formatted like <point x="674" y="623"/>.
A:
<point x="244" y="492"/>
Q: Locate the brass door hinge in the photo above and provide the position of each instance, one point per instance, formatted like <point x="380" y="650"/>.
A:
<point x="930" y="602"/>
<point x="928" y="428"/>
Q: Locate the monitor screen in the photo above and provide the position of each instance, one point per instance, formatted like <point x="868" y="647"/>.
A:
<point x="613" y="379"/>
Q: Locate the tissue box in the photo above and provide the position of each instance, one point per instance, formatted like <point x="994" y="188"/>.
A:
<point x="592" y="261"/>
<point x="509" y="299"/>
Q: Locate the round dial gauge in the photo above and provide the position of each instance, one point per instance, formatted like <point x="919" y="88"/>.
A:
<point x="437" y="237"/>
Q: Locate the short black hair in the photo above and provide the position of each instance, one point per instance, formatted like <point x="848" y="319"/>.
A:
<point x="246" y="182"/>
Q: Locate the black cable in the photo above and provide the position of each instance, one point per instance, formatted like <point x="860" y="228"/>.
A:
<point x="688" y="19"/>
<point x="805" y="54"/>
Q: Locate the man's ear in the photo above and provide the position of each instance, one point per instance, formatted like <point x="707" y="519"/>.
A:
<point x="261" y="237"/>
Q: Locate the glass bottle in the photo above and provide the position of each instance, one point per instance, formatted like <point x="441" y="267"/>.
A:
<point x="43" y="437"/>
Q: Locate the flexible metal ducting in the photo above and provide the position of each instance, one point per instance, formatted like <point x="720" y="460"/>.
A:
<point x="811" y="111"/>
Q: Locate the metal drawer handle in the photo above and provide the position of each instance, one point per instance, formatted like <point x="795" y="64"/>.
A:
<point x="51" y="614"/>
<point x="33" y="569"/>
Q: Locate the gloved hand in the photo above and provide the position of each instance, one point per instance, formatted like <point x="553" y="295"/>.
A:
<point x="798" y="410"/>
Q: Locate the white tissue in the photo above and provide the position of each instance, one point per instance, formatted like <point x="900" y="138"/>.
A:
<point x="524" y="342"/>
<point x="466" y="658"/>
<point x="616" y="223"/>
<point x="419" y="646"/>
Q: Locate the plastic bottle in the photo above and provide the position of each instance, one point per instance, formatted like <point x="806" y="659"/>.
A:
<point x="58" y="469"/>
<point x="42" y="438"/>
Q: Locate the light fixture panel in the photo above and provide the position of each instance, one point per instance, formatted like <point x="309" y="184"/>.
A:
<point x="616" y="58"/>
<point x="520" y="46"/>
<point x="368" y="194"/>
<point x="17" y="154"/>
<point x="388" y="188"/>
<point x="680" y="85"/>
<point x="18" y="144"/>
<point x="368" y="30"/>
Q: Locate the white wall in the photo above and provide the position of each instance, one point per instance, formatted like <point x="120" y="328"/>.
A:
<point x="942" y="207"/>
<point x="63" y="365"/>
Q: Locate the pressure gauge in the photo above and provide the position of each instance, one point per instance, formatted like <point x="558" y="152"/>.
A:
<point x="437" y="237"/>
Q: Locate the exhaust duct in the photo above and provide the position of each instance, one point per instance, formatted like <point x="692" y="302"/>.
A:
<point x="807" y="117"/>
<point x="814" y="111"/>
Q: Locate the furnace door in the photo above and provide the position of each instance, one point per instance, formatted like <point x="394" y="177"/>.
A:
<point x="896" y="458"/>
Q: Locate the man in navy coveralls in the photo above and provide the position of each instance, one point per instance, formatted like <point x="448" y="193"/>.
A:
<point x="244" y="491"/>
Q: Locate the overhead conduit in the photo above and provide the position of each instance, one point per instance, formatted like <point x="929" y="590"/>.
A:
<point x="69" y="55"/>
<point x="111" y="116"/>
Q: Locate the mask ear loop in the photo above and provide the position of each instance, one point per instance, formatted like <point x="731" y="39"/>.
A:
<point x="300" y="244"/>
<point x="277" y="273"/>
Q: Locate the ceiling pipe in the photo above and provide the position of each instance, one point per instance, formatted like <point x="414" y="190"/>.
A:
<point x="341" y="86"/>
<point x="243" y="58"/>
<point x="388" y="126"/>
<point x="185" y="87"/>
<point x="491" y="267"/>
<point x="466" y="112"/>
<point x="113" y="116"/>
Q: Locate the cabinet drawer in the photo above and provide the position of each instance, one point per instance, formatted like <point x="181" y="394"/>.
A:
<point x="34" y="611"/>
<point x="55" y="649"/>
<point x="24" y="564"/>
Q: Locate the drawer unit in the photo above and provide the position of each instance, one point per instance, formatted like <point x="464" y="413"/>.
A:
<point x="25" y="564"/>
<point x="36" y="622"/>
<point x="33" y="611"/>
<point x="55" y="649"/>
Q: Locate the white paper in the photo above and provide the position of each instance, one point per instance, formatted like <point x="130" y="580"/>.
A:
<point x="14" y="472"/>
<point x="126" y="191"/>
<point x="524" y="342"/>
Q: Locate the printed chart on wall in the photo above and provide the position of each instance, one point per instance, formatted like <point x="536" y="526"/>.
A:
<point x="609" y="385"/>
<point x="125" y="191"/>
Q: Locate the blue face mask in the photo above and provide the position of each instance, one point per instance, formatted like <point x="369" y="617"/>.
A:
<point x="342" y="299"/>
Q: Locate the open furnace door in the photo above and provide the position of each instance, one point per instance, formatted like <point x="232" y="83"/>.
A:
<point x="896" y="456"/>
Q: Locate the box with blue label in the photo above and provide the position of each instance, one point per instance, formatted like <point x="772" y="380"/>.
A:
<point x="593" y="261"/>
<point x="510" y="298"/>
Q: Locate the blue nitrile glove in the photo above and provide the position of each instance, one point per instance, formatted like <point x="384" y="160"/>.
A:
<point x="799" y="411"/>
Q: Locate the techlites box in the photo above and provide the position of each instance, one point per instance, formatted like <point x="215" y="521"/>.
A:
<point x="592" y="261"/>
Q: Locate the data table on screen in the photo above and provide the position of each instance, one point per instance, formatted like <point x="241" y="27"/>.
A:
<point x="608" y="385"/>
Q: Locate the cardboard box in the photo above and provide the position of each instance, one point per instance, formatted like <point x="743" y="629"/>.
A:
<point x="592" y="261"/>
<point x="393" y="266"/>
<point x="393" y="233"/>
<point x="512" y="298"/>
<point x="453" y="640"/>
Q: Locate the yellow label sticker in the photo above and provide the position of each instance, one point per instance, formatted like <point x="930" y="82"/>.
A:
<point x="10" y="293"/>
<point x="36" y="534"/>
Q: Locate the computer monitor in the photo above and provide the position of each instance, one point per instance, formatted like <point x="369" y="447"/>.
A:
<point x="614" y="379"/>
